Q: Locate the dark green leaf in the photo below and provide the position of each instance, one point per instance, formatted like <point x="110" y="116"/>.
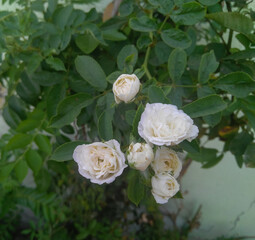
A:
<point x="113" y="35"/>
<point x="208" y="65"/>
<point x="209" y="2"/>
<point x="45" y="78"/>
<point x="6" y="169"/>
<point x="245" y="54"/>
<point x="28" y="125"/>
<point x="239" y="84"/>
<point x="213" y="120"/>
<point x="86" y="42"/>
<point x="177" y="63"/>
<point x="249" y="155"/>
<point x="34" y="160"/>
<point x="65" y="151"/>
<point x="233" y="20"/>
<point x="126" y="8"/>
<point x="21" y="170"/>
<point x="56" y="63"/>
<point x="138" y="114"/>
<point x="239" y="143"/>
<point x="105" y="124"/>
<point x="213" y="162"/>
<point x="129" y="116"/>
<point x="70" y="108"/>
<point x="127" y="57"/>
<point x="164" y="6"/>
<point x="142" y="24"/>
<point x="156" y="95"/>
<point x="43" y="143"/>
<point x="19" y="140"/>
<point x="176" y="38"/>
<point x="56" y="94"/>
<point x="205" y="106"/>
<point x="91" y="71"/>
<point x="190" y="147"/>
<point x="61" y="16"/>
<point x="189" y="14"/>
<point x="135" y="188"/>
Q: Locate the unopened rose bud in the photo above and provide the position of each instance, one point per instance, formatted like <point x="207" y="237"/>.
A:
<point x="140" y="155"/>
<point x="125" y="88"/>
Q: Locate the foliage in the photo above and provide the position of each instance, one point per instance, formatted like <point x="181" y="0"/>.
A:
<point x="58" y="65"/>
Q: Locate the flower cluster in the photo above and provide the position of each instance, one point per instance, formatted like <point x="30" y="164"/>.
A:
<point x="162" y="125"/>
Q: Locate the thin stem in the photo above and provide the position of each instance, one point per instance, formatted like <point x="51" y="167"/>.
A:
<point x="147" y="55"/>
<point x="230" y="35"/>
<point x="145" y="64"/>
<point x="220" y="35"/>
<point x="186" y="86"/>
<point x="162" y="25"/>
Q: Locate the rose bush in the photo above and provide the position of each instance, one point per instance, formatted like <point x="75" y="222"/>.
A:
<point x="152" y="73"/>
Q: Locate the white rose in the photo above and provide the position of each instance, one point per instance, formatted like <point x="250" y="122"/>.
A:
<point x="125" y="88"/>
<point x="164" y="186"/>
<point x="100" y="162"/>
<point x="140" y="155"/>
<point x="163" y="124"/>
<point x="167" y="160"/>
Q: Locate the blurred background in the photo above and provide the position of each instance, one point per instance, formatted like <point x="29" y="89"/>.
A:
<point x="225" y="192"/>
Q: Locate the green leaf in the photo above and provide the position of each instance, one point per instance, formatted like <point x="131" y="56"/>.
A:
<point x="245" y="54"/>
<point x="164" y="6"/>
<point x="156" y="95"/>
<point x="34" y="160"/>
<point x="239" y="84"/>
<point x="70" y="108"/>
<point x="208" y="65"/>
<point x="205" y="106"/>
<point x="239" y="143"/>
<point x="130" y="116"/>
<point x="21" y="170"/>
<point x="213" y="162"/>
<point x="138" y="114"/>
<point x="56" y="94"/>
<point x="65" y="151"/>
<point x="45" y="78"/>
<point x="91" y="71"/>
<point x="56" y="63"/>
<point x="189" y="14"/>
<point x="6" y="169"/>
<point x="28" y="125"/>
<point x="190" y="147"/>
<point x="19" y="140"/>
<point x="209" y="2"/>
<point x="113" y="35"/>
<point x="61" y="16"/>
<point x="126" y="8"/>
<point x="207" y="156"/>
<point x="233" y="20"/>
<point x="213" y="120"/>
<point x="177" y="63"/>
<point x="86" y="42"/>
<point x="142" y="24"/>
<point x="127" y="57"/>
<point x="176" y="38"/>
<point x="135" y="189"/>
<point x="105" y="124"/>
<point x="249" y="155"/>
<point x="113" y="76"/>
<point x="43" y="143"/>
